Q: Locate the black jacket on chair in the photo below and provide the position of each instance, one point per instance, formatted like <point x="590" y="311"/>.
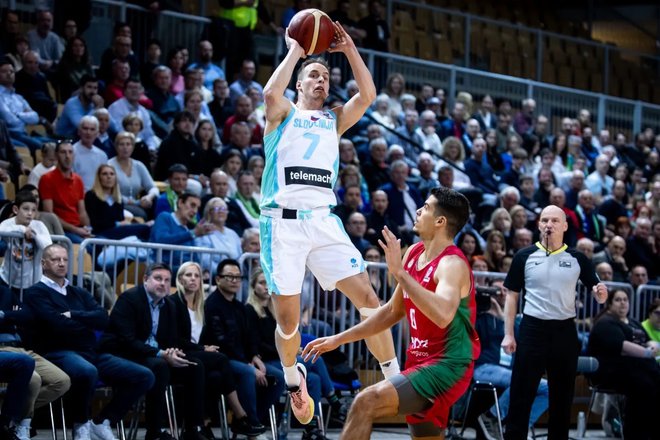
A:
<point x="130" y="326"/>
<point x="183" y="324"/>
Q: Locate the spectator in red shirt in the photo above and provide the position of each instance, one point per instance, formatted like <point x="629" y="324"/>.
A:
<point x="243" y="109"/>
<point x="62" y="193"/>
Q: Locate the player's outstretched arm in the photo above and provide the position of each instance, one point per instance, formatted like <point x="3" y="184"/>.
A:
<point x="354" y="109"/>
<point x="383" y="319"/>
<point x="277" y="107"/>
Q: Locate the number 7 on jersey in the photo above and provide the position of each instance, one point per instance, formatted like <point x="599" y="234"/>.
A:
<point x="314" y="142"/>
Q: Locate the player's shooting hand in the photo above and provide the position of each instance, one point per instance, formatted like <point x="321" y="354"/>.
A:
<point x="342" y="41"/>
<point x="509" y="344"/>
<point x="600" y="293"/>
<point x="317" y="347"/>
<point x="293" y="45"/>
<point x="392" y="248"/>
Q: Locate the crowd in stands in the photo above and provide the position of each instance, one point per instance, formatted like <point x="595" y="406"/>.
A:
<point x="110" y="135"/>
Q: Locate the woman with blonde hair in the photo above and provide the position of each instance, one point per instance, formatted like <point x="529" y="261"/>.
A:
<point x="500" y="220"/>
<point x="188" y="302"/>
<point x="518" y="215"/>
<point x="395" y="87"/>
<point x="495" y="250"/>
<point x="137" y="188"/>
<point x="261" y="317"/>
<point x="133" y="124"/>
<point x="106" y="210"/>
<point x="453" y="153"/>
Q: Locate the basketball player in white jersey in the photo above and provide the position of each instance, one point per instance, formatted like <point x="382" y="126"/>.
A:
<point x="301" y="144"/>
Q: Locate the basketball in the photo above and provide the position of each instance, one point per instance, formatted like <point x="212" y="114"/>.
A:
<point x="313" y="30"/>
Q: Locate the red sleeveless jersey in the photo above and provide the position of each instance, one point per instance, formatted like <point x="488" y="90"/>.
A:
<point x="429" y="343"/>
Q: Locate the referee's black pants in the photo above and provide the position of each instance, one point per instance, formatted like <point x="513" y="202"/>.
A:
<point x="543" y="346"/>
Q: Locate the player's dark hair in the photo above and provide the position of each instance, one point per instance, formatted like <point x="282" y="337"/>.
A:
<point x="454" y="206"/>
<point x="320" y="60"/>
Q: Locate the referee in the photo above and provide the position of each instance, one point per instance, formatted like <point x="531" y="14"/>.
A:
<point x="546" y="273"/>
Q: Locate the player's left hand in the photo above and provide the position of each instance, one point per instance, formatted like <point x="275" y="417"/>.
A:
<point x="600" y="293"/>
<point x="342" y="41"/>
<point x="317" y="347"/>
<point x="392" y="248"/>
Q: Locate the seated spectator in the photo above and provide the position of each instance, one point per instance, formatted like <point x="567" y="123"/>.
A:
<point x="179" y="147"/>
<point x="626" y="363"/>
<point x="15" y="110"/>
<point x="143" y="328"/>
<point x="151" y="63"/>
<point x="453" y="153"/>
<point x="484" y="115"/>
<point x="493" y="157"/>
<point x="591" y="226"/>
<point x="16" y="371"/>
<point x="239" y="139"/>
<point x="614" y="206"/>
<point x="352" y="202"/>
<point x="527" y="192"/>
<point x="495" y="250"/>
<point x="652" y="323"/>
<point x="404" y="200"/>
<point x="114" y="86"/>
<point x="232" y="165"/>
<point x="46" y="42"/>
<point x="50" y="220"/>
<point x="427" y="132"/>
<point x="176" y="64"/>
<point x="558" y="198"/>
<point x="66" y="318"/>
<point x="472" y="131"/>
<point x="504" y="131"/>
<point x="242" y="110"/>
<point x="221" y="236"/>
<point x="481" y="174"/>
<point x="639" y="250"/>
<point x="638" y="276"/>
<point x="165" y="106"/>
<point x="24" y="266"/>
<point x="132" y="124"/>
<point x="575" y="185"/>
<point x="221" y="107"/>
<point x="177" y="179"/>
<point x="244" y="81"/>
<point x="48" y="160"/>
<point x="599" y="182"/>
<point x="130" y="104"/>
<point x="604" y="271"/>
<point x="33" y="86"/>
<point x="62" y="193"/>
<point x="104" y="140"/>
<point x="546" y="184"/>
<point x="193" y="81"/>
<point x="256" y="165"/>
<point x="261" y="317"/>
<point x="492" y="368"/>
<point x="613" y="255"/>
<point x="210" y="70"/>
<point x="18" y="48"/>
<point x="382" y="113"/>
<point x="106" y="210"/>
<point x="10" y="29"/>
<point x="653" y="202"/>
<point x="454" y="126"/>
<point x="138" y="192"/>
<point x="375" y="170"/>
<point x="356" y="227"/>
<point x="189" y="306"/>
<point x="427" y="178"/>
<point x="73" y="67"/>
<point x="119" y="52"/>
<point x="350" y="175"/>
<point x="194" y="103"/>
<point x="522" y="238"/>
<point x="378" y="218"/>
<point x="244" y="212"/>
<point x="524" y="119"/>
<point x="86" y="156"/>
<point x="519" y="218"/>
<point x="469" y="244"/>
<point x="84" y="103"/>
<point x="229" y="328"/>
<point x="177" y="228"/>
<point x="586" y="246"/>
<point x="410" y="138"/>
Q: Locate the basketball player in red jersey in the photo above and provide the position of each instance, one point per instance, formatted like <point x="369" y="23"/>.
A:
<point x="435" y="293"/>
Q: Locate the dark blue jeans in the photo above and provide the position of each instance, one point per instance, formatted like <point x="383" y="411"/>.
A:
<point x="129" y="381"/>
<point x="16" y="370"/>
<point x="247" y="389"/>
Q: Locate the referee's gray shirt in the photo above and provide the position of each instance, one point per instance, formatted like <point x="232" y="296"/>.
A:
<point x="548" y="281"/>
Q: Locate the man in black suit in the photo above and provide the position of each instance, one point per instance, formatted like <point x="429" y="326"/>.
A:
<point x="143" y="328"/>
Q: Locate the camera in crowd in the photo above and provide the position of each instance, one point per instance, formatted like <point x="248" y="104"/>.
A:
<point x="483" y="295"/>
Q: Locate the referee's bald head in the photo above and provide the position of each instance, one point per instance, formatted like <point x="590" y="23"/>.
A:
<point x="554" y="210"/>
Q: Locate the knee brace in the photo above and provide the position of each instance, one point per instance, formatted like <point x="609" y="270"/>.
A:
<point x="366" y="312"/>
<point x="284" y="336"/>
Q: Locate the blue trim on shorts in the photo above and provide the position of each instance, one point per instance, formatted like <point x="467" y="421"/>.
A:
<point x="266" y="254"/>
<point x="270" y="185"/>
<point x="340" y="224"/>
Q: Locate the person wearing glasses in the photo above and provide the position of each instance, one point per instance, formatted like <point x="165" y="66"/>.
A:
<point x="220" y="236"/>
<point x="227" y="327"/>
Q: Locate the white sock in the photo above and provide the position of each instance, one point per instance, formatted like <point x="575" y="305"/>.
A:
<point x="390" y="368"/>
<point x="291" y="375"/>
<point x="26" y="423"/>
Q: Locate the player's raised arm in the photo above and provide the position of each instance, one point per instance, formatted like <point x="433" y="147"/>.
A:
<point x="276" y="105"/>
<point x="354" y="109"/>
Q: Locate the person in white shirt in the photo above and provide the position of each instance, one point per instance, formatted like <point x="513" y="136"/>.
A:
<point x="87" y="157"/>
<point x="598" y="182"/>
<point x="22" y="264"/>
<point x="48" y="161"/>
<point x="129" y="104"/>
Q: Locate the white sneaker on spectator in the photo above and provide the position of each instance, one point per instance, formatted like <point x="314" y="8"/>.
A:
<point x="81" y="431"/>
<point x="23" y="430"/>
<point x="102" y="431"/>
